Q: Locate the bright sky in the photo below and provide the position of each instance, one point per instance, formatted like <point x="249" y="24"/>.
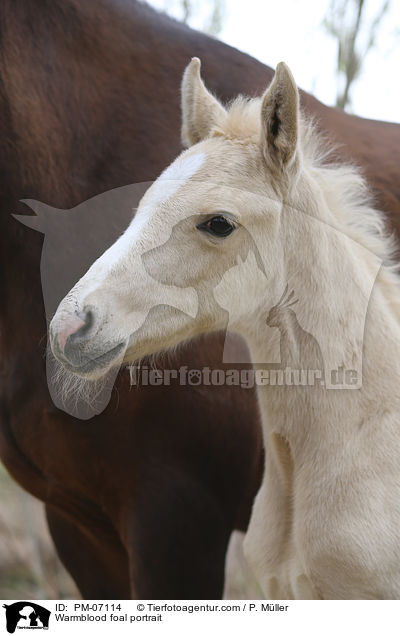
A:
<point x="290" y="30"/>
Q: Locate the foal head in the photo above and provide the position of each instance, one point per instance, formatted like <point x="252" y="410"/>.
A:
<point x="218" y="203"/>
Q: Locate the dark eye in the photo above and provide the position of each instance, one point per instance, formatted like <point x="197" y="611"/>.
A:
<point x="217" y="226"/>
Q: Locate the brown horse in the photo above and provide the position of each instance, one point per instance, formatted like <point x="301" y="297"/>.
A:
<point x="141" y="500"/>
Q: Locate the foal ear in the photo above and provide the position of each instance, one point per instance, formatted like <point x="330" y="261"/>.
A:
<point x="201" y="111"/>
<point x="280" y="118"/>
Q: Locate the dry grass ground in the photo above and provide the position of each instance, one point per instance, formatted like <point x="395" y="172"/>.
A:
<point x="30" y="568"/>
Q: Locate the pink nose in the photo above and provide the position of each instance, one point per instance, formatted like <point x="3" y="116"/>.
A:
<point x="72" y="325"/>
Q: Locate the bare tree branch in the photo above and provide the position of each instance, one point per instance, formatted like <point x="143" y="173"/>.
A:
<point x="213" y="23"/>
<point x="187" y="10"/>
<point x="345" y="23"/>
<point x="214" y="26"/>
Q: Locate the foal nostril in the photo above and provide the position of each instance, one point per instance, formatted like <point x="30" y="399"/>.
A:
<point x="88" y="321"/>
<point x="76" y="327"/>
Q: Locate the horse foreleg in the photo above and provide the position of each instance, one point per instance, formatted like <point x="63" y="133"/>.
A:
<point x="93" y="555"/>
<point x="177" y="539"/>
<point x="269" y="544"/>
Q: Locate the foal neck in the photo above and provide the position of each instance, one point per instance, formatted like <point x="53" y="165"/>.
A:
<point x="343" y="322"/>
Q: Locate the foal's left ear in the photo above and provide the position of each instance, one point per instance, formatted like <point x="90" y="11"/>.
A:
<point x="280" y="119"/>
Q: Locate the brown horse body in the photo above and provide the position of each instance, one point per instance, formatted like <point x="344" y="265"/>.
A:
<point x="141" y="500"/>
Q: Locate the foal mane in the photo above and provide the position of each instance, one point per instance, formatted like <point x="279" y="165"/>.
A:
<point x="343" y="184"/>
